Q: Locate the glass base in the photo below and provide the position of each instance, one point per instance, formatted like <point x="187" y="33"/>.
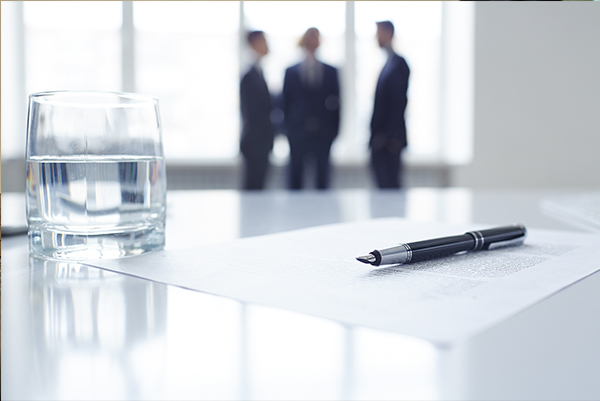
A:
<point x="62" y="245"/>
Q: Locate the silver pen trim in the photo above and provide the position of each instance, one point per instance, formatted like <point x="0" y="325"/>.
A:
<point x="478" y="239"/>
<point x="399" y="254"/>
<point x="409" y="253"/>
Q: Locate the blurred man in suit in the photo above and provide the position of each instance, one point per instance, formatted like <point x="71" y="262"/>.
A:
<point x="257" y="129"/>
<point x="388" y="128"/>
<point x="311" y="106"/>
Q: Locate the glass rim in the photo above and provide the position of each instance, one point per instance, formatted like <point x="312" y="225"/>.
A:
<point x="93" y="98"/>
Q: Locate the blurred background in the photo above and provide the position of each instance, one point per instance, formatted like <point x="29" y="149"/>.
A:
<point x="501" y="94"/>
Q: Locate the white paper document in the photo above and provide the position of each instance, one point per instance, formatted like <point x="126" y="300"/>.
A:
<point x="314" y="271"/>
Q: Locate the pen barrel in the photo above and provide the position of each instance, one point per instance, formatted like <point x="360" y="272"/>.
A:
<point x="446" y="246"/>
<point x="440" y="247"/>
<point x="499" y="236"/>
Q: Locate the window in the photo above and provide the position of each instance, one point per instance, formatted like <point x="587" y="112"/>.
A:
<point x="191" y="55"/>
<point x="187" y="56"/>
<point x="72" y="45"/>
<point x="59" y="45"/>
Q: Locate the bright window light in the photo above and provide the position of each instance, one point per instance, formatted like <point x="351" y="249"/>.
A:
<point x="187" y="56"/>
<point x="72" y="46"/>
<point x="73" y="15"/>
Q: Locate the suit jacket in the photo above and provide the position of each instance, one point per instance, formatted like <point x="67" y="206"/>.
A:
<point x="388" y="122"/>
<point x="256" y="106"/>
<point x="311" y="111"/>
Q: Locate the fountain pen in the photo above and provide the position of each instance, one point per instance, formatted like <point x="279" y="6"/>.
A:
<point x="446" y="246"/>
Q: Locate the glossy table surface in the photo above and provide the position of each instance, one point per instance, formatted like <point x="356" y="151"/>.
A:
<point x="74" y="332"/>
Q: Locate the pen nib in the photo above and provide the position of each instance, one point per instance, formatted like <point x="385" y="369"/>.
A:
<point x="366" y="259"/>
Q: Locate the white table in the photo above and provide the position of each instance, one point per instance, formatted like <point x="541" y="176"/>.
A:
<point x="70" y="332"/>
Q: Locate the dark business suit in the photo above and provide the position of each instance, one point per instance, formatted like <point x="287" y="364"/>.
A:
<point x="257" y="130"/>
<point x="388" y="128"/>
<point x="311" y="120"/>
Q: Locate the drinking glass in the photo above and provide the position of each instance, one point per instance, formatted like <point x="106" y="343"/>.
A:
<point x="96" y="182"/>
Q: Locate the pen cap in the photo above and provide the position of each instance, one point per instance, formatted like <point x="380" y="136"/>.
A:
<point x="499" y="236"/>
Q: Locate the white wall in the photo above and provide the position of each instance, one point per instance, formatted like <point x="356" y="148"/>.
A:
<point x="537" y="96"/>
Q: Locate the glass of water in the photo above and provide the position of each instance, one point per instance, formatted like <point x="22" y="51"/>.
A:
<point x="96" y="182"/>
